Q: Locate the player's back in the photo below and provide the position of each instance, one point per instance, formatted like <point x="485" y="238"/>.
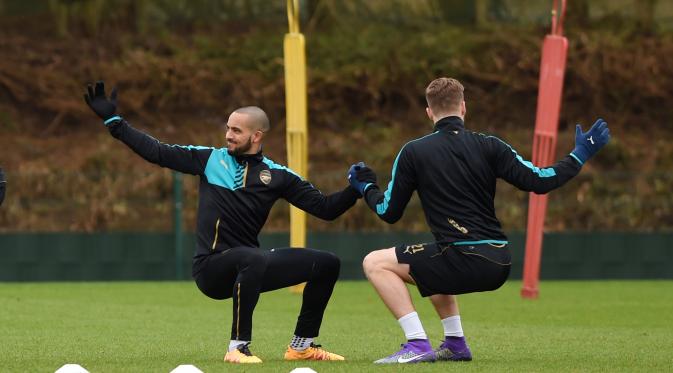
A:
<point x="456" y="182"/>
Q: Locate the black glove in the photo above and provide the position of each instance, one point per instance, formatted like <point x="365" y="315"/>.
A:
<point x="3" y="186"/>
<point x="103" y="107"/>
<point x="366" y="174"/>
<point x="361" y="177"/>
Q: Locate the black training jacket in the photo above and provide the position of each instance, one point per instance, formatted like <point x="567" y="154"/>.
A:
<point x="455" y="171"/>
<point x="236" y="193"/>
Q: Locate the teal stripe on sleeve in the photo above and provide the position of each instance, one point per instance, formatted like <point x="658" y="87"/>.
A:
<point x="273" y="165"/>
<point x="577" y="159"/>
<point x="193" y="147"/>
<point x="542" y="172"/>
<point x="382" y="206"/>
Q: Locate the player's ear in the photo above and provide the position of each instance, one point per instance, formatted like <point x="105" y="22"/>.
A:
<point x="463" y="108"/>
<point x="257" y="136"/>
<point x="429" y="112"/>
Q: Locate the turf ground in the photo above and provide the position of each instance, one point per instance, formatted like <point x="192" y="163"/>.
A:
<point x="155" y="326"/>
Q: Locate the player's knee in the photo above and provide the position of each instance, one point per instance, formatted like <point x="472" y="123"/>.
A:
<point x="371" y="262"/>
<point x="378" y="260"/>
<point x="331" y="264"/>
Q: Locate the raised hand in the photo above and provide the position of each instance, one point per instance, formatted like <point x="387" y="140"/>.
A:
<point x="98" y="102"/>
<point x="589" y="143"/>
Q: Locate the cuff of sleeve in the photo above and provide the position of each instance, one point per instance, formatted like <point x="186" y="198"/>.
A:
<point x="369" y="188"/>
<point x="577" y="159"/>
<point x="112" y="120"/>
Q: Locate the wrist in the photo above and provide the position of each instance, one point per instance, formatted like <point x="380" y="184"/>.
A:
<point x="577" y="158"/>
<point x="580" y="155"/>
<point x="112" y="120"/>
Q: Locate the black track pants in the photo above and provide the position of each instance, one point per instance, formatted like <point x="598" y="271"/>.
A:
<point x="242" y="273"/>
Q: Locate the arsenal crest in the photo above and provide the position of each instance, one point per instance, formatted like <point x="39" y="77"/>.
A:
<point x="265" y="177"/>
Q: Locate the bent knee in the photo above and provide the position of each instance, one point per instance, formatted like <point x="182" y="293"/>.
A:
<point x="379" y="259"/>
<point x="331" y="262"/>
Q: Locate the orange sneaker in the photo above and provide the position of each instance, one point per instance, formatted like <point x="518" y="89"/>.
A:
<point x="314" y="352"/>
<point x="241" y="355"/>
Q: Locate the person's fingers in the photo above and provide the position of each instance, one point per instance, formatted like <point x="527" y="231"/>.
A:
<point x="113" y="95"/>
<point x="100" y="89"/>
<point x="598" y="125"/>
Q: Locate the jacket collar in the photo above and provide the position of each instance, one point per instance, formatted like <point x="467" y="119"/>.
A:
<point x="249" y="158"/>
<point x="452" y="123"/>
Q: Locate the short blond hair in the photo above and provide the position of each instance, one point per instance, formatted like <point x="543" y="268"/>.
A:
<point x="444" y="95"/>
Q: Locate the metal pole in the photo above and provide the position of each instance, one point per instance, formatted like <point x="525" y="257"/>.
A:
<point x="550" y="94"/>
<point x="177" y="223"/>
<point x="294" y="53"/>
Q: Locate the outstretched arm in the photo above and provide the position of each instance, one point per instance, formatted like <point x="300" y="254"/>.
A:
<point x="304" y="195"/>
<point x="511" y="167"/>
<point x="388" y="205"/>
<point x="187" y="159"/>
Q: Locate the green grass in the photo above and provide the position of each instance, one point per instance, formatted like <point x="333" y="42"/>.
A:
<point x="153" y="327"/>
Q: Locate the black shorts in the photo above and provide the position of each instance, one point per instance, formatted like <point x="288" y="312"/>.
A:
<point x="446" y="268"/>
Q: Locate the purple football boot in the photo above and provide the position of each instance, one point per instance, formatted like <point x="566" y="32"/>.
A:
<point x="453" y="349"/>
<point x="416" y="351"/>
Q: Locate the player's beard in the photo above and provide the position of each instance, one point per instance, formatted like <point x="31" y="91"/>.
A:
<point x="241" y="149"/>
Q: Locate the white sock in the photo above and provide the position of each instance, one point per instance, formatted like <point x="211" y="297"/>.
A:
<point x="300" y="343"/>
<point x="452" y="326"/>
<point x="411" y="324"/>
<point x="235" y="343"/>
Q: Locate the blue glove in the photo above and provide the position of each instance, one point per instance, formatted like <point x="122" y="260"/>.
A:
<point x="360" y="177"/>
<point x="589" y="143"/>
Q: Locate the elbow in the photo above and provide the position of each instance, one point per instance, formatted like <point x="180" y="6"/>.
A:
<point x="329" y="216"/>
<point x="390" y="219"/>
<point x="542" y="189"/>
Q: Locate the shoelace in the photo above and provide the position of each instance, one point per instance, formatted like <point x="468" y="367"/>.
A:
<point x="245" y="350"/>
<point x="322" y="354"/>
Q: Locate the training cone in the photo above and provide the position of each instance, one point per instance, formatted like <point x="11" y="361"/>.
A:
<point x="71" y="368"/>
<point x="186" y="368"/>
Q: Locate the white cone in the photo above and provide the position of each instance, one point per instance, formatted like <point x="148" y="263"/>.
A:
<point x="303" y="370"/>
<point x="186" y="368"/>
<point x="71" y="368"/>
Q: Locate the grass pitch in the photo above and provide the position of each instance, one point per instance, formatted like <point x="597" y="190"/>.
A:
<point x="155" y="326"/>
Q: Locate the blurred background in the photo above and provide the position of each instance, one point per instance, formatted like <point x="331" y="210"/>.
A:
<point x="80" y="205"/>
